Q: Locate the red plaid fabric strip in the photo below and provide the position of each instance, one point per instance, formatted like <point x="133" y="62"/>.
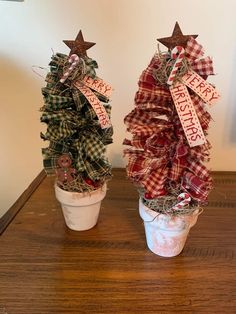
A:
<point x="144" y="123"/>
<point x="155" y="182"/>
<point x="194" y="52"/>
<point x="147" y="74"/>
<point x="140" y="165"/>
<point x="203" y="66"/>
<point x="149" y="90"/>
<point x="198" y="169"/>
<point x="143" y="117"/>
<point x="179" y="162"/>
<point x="134" y="153"/>
<point x="193" y="49"/>
<point x="158" y="145"/>
<point x="197" y="188"/>
<point x="203" y="115"/>
<point x="159" y="108"/>
<point x="147" y="130"/>
<point x="135" y="168"/>
<point x="137" y="142"/>
<point x="151" y="96"/>
<point x="177" y="169"/>
<point x="136" y="117"/>
<point x="201" y="153"/>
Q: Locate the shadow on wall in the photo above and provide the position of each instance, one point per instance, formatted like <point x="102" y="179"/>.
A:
<point x="20" y="155"/>
<point x="117" y="160"/>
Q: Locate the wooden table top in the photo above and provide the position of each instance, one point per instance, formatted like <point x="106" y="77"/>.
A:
<point x="46" y="268"/>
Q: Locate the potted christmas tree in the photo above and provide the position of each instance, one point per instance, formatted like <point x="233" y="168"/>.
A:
<point x="168" y="148"/>
<point x="77" y="114"/>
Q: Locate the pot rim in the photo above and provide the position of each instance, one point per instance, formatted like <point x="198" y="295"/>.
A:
<point x="149" y="215"/>
<point x="103" y="188"/>
<point x="80" y="199"/>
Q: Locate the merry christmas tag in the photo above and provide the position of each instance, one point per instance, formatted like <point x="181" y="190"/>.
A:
<point x="187" y="115"/>
<point x="98" y="85"/>
<point x="95" y="103"/>
<point x="201" y="87"/>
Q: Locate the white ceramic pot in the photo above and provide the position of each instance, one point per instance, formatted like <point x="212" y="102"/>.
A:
<point x="166" y="234"/>
<point x="80" y="210"/>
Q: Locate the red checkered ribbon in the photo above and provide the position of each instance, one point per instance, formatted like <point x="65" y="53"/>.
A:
<point x="158" y="153"/>
<point x="194" y="53"/>
<point x="193" y="49"/>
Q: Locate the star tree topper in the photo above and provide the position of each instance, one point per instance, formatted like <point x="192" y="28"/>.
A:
<point x="177" y="38"/>
<point x="79" y="46"/>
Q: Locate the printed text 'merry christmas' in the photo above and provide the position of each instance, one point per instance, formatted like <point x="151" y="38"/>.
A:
<point x="98" y="85"/>
<point x="201" y="87"/>
<point x="97" y="106"/>
<point x="187" y="115"/>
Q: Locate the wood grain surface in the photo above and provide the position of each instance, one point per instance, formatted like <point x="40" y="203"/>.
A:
<point x="6" y="219"/>
<point x="46" y="268"/>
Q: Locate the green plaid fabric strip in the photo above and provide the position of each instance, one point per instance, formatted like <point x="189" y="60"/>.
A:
<point x="90" y="66"/>
<point x="51" y="78"/>
<point x="80" y="165"/>
<point x="88" y="147"/>
<point x="105" y="135"/>
<point x="55" y="133"/>
<point x="97" y="169"/>
<point x="60" y="125"/>
<point x="56" y="89"/>
<point x="53" y="151"/>
<point x="108" y="109"/>
<point x="58" y="60"/>
<point x="49" y="160"/>
<point x="50" y="164"/>
<point x="59" y="147"/>
<point x="93" y="147"/>
<point x="55" y="117"/>
<point x="79" y="100"/>
<point x="54" y="102"/>
<point x="91" y="115"/>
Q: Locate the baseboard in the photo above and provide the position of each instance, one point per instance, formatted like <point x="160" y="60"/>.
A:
<point x="225" y="173"/>
<point x="6" y="219"/>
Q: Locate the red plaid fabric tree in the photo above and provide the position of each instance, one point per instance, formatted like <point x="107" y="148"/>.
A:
<point x="160" y="161"/>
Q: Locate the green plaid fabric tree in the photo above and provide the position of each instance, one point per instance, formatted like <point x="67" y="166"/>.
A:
<point x="73" y="127"/>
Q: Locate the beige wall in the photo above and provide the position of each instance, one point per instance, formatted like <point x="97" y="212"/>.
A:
<point x="125" y="32"/>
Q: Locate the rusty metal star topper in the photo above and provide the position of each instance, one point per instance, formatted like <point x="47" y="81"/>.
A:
<point x="79" y="46"/>
<point x="177" y="38"/>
